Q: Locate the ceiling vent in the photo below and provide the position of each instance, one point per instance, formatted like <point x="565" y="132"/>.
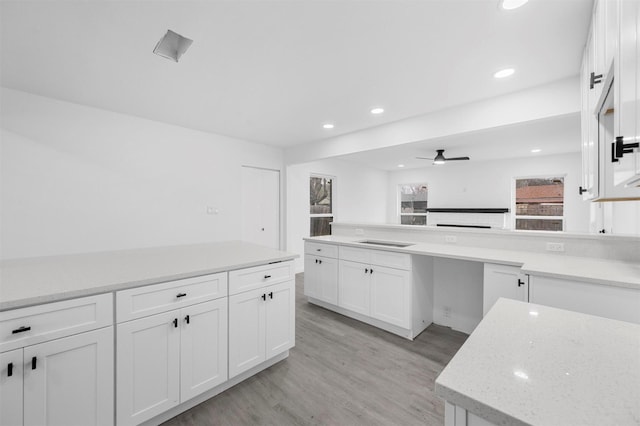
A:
<point x="172" y="46"/>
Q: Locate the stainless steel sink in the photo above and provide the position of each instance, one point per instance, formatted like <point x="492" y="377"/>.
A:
<point x="385" y="243"/>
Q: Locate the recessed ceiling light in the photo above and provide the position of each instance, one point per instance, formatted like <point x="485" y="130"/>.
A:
<point x="401" y="165"/>
<point x="504" y="73"/>
<point x="512" y="4"/>
<point x="328" y="126"/>
<point x="377" y="110"/>
<point x="536" y="150"/>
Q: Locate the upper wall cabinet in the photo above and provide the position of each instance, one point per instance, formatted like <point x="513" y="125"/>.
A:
<point x="611" y="103"/>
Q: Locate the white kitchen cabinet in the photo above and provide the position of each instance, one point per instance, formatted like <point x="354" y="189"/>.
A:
<point x="607" y="301"/>
<point x="374" y="290"/>
<point x="168" y="358"/>
<point x="321" y="272"/>
<point x="59" y="366"/>
<point x="503" y="281"/>
<point x="261" y="325"/>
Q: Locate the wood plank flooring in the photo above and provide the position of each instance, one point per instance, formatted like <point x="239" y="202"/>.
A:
<point x="341" y="372"/>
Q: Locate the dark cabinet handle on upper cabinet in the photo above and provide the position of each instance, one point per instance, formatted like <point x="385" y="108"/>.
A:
<point x="613" y="153"/>
<point x="187" y="319"/>
<point x="594" y="79"/>
<point x="520" y="282"/>
<point x="175" y="322"/>
<point x="179" y="295"/>
<point x="34" y="361"/>
<point x="20" y="330"/>
<point x="622" y="148"/>
<point x="582" y="190"/>
<point x="10" y="369"/>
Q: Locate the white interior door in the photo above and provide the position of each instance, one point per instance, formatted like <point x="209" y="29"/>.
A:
<point x="261" y="206"/>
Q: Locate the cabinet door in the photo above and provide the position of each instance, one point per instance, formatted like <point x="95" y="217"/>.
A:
<point x="148" y="367"/>
<point x="246" y="330"/>
<point x="69" y="381"/>
<point x="312" y="277"/>
<point x="279" y="318"/>
<point x="589" y="134"/>
<point x="391" y="295"/>
<point x="353" y="286"/>
<point x="328" y="273"/>
<point x="203" y="345"/>
<point x="503" y="281"/>
<point x="11" y="387"/>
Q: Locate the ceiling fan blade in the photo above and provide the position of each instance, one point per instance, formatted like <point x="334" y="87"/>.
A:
<point x="424" y="158"/>
<point x="457" y="158"/>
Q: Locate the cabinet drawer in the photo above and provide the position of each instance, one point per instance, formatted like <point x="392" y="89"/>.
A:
<point x="320" y="249"/>
<point x="54" y="320"/>
<point x="376" y="257"/>
<point x="156" y="298"/>
<point x="247" y="279"/>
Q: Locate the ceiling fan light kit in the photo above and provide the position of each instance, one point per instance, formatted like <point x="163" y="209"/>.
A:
<point x="441" y="159"/>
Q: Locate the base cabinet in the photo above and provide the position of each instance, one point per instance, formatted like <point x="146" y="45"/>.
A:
<point x="503" y="281"/>
<point x="617" y="303"/>
<point x="168" y="358"/>
<point x="67" y="381"/>
<point x="323" y="278"/>
<point x="261" y="325"/>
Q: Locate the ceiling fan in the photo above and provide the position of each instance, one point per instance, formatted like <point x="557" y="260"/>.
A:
<point x="440" y="159"/>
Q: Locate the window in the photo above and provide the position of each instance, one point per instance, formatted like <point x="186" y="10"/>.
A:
<point x="321" y="204"/>
<point x="539" y="204"/>
<point x="413" y="204"/>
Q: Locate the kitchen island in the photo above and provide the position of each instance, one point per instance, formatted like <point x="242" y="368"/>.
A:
<point x="532" y="364"/>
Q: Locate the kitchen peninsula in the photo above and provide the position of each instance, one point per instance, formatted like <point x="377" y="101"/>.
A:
<point x="188" y="322"/>
<point x="461" y="273"/>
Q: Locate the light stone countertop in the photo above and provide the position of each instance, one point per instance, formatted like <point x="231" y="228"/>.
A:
<point x="532" y="364"/>
<point x="583" y="269"/>
<point x="31" y="281"/>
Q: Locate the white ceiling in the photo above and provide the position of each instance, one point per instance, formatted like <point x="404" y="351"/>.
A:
<point x="275" y="71"/>
<point x="558" y="135"/>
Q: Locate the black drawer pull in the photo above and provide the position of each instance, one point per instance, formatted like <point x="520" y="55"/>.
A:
<point x="175" y="323"/>
<point x="33" y="363"/>
<point x="264" y="297"/>
<point x="371" y="271"/>
<point x="10" y="369"/>
<point x="20" y="330"/>
<point x="316" y="260"/>
<point x="271" y="295"/>
<point x="179" y="295"/>
<point x="187" y="319"/>
<point x="320" y="262"/>
<point x="366" y="270"/>
<point x="520" y="282"/>
<point x="266" y="277"/>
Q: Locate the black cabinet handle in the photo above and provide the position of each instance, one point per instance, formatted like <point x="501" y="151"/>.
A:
<point x="595" y="79"/>
<point x="316" y="260"/>
<point x="318" y="249"/>
<point x="34" y="361"/>
<point x="624" y="148"/>
<point x="366" y="270"/>
<point x="187" y="319"/>
<point x="520" y="282"/>
<point x="613" y="153"/>
<point x="10" y="369"/>
<point x="20" y="330"/>
<point x="264" y="297"/>
<point x="179" y="295"/>
<point x="271" y="295"/>
<point x="266" y="277"/>
<point x="175" y="323"/>
<point x="320" y="262"/>
<point x="371" y="271"/>
<point x="582" y="190"/>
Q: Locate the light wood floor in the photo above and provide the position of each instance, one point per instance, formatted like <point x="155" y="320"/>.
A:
<point x="341" y="372"/>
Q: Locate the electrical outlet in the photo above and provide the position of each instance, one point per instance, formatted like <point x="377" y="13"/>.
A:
<point x="359" y="231"/>
<point x="555" y="246"/>
<point x="451" y="238"/>
<point x="447" y="311"/>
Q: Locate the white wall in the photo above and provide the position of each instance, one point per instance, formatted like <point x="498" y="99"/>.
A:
<point x="489" y="184"/>
<point x="360" y="195"/>
<point x="80" y="179"/>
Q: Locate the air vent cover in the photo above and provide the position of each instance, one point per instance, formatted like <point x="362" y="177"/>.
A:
<point x="172" y="46"/>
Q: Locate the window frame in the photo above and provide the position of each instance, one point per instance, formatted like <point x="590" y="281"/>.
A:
<point x="333" y="200"/>
<point x="515" y="216"/>
<point x="399" y="202"/>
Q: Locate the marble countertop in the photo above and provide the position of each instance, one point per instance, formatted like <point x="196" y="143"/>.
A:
<point x="532" y="364"/>
<point x="584" y="269"/>
<point x="31" y="281"/>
